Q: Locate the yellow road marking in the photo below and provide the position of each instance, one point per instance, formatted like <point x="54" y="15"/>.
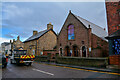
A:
<point x="83" y="69"/>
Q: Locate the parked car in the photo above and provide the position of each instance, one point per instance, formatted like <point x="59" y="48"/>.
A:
<point x="4" y="61"/>
<point x="0" y="60"/>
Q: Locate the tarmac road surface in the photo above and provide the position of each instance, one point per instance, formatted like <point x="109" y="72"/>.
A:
<point x="38" y="70"/>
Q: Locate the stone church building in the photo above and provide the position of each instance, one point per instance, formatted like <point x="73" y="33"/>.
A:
<point x="81" y="38"/>
<point x="41" y="41"/>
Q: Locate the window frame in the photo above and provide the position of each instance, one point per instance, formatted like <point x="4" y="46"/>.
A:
<point x="74" y="32"/>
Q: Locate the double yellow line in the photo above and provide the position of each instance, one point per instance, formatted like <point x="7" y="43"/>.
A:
<point x="84" y="69"/>
<point x="95" y="71"/>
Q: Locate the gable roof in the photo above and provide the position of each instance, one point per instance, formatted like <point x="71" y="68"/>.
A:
<point x="38" y="35"/>
<point x="97" y="30"/>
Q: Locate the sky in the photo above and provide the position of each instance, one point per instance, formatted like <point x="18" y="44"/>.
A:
<point x="21" y="18"/>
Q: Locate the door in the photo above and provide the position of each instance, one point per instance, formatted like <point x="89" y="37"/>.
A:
<point x="83" y="51"/>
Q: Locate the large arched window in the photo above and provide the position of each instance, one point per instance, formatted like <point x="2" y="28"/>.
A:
<point x="71" y="35"/>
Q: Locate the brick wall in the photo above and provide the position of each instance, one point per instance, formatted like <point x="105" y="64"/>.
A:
<point x="81" y="34"/>
<point x="113" y="16"/>
<point x="113" y="21"/>
<point x="99" y="47"/>
<point x="51" y="52"/>
<point x="115" y="59"/>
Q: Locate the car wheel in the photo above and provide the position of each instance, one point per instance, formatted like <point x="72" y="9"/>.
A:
<point x="5" y="65"/>
<point x="28" y="63"/>
<point x="11" y="61"/>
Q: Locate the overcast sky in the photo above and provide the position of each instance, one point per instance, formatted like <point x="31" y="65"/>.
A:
<point x="21" y="18"/>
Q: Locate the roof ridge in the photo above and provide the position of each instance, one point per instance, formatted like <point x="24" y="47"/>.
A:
<point x="92" y="23"/>
<point x="36" y="35"/>
<point x="97" y="30"/>
<point x="88" y="21"/>
<point x="42" y="31"/>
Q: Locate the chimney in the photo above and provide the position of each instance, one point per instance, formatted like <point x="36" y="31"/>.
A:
<point x="18" y="38"/>
<point x="35" y="32"/>
<point x="10" y="41"/>
<point x="89" y="26"/>
<point x="13" y="40"/>
<point x="89" y="35"/>
<point x="104" y="29"/>
<point x="49" y="26"/>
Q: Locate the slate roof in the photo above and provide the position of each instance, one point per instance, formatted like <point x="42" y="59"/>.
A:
<point x="5" y="43"/>
<point x="97" y="30"/>
<point x="33" y="37"/>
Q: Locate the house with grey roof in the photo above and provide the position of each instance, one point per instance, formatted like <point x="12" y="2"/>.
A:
<point x="40" y="41"/>
<point x="81" y="38"/>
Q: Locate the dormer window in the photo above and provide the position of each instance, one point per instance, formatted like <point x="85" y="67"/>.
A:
<point x="71" y="35"/>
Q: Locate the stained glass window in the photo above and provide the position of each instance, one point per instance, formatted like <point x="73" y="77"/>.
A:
<point x="71" y="35"/>
<point x="116" y="46"/>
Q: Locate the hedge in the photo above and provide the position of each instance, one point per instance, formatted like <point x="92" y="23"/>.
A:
<point x="78" y="61"/>
<point x="41" y="58"/>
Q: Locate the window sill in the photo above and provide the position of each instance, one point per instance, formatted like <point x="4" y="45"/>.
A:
<point x="72" y="40"/>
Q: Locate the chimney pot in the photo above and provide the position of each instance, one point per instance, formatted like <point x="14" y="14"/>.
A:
<point x="89" y="26"/>
<point x="104" y="29"/>
<point x="18" y="38"/>
<point x="35" y="32"/>
<point x="10" y="41"/>
<point x="49" y="26"/>
<point x="13" y="40"/>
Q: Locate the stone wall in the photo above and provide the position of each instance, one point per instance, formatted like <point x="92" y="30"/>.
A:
<point x="46" y="42"/>
<point x="17" y="44"/>
<point x="30" y="46"/>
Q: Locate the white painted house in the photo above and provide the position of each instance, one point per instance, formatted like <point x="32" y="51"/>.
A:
<point x="8" y="48"/>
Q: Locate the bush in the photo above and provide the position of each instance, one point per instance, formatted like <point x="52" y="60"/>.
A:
<point x="91" y="62"/>
<point x="41" y="58"/>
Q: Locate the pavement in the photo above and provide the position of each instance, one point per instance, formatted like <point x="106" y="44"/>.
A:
<point x="112" y="70"/>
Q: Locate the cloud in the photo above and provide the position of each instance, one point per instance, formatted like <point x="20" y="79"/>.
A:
<point x="4" y="40"/>
<point x="56" y="0"/>
<point x="23" y="17"/>
<point x="9" y="36"/>
<point x="11" y="11"/>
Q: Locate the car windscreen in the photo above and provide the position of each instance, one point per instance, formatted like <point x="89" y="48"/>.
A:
<point x="20" y="52"/>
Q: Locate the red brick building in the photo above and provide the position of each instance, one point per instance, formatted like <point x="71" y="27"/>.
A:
<point x="81" y="38"/>
<point x="113" y="16"/>
<point x="113" y="21"/>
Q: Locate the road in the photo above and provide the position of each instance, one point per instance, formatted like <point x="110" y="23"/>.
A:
<point x="38" y="70"/>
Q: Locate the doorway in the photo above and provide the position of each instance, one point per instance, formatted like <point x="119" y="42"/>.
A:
<point x="61" y="53"/>
<point x="75" y="51"/>
<point x="83" y="51"/>
<point x="67" y="51"/>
